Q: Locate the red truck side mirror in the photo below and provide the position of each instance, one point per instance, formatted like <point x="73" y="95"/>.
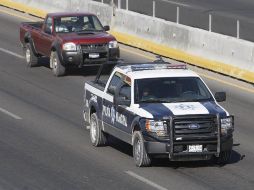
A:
<point x="48" y="31"/>
<point x="106" y="28"/>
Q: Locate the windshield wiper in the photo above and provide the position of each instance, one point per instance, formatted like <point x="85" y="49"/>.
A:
<point x="89" y="30"/>
<point x="171" y="101"/>
<point x="190" y="100"/>
<point x="151" y="101"/>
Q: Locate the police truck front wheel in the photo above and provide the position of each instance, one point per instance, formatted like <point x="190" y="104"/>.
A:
<point x="97" y="136"/>
<point x="140" y="155"/>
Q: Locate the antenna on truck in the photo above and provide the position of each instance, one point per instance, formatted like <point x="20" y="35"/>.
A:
<point x="159" y="59"/>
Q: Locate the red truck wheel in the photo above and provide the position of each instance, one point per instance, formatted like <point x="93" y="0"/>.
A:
<point x="31" y="58"/>
<point x="57" y="68"/>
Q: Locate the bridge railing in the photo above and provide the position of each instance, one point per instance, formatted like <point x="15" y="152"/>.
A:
<point x="213" y="21"/>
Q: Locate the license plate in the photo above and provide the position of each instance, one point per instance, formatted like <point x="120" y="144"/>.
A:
<point x="94" y="55"/>
<point x="195" y="148"/>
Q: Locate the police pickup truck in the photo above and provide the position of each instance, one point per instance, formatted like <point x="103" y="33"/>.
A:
<point x="161" y="109"/>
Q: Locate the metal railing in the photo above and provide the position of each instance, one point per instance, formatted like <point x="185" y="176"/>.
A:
<point x="213" y="21"/>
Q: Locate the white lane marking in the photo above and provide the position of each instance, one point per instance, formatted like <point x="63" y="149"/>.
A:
<point x="11" y="53"/>
<point x="9" y="113"/>
<point x="148" y="182"/>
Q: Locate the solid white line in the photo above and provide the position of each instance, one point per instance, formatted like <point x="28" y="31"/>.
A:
<point x="148" y="182"/>
<point x="9" y="113"/>
<point x="11" y="53"/>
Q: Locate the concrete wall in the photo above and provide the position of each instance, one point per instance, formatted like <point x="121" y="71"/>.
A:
<point x="235" y="54"/>
<point x="152" y="29"/>
<point x="213" y="51"/>
<point x="103" y="11"/>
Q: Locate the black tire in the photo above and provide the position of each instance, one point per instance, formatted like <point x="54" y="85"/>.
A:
<point x="57" y="68"/>
<point x="31" y="58"/>
<point x="224" y="157"/>
<point x="97" y="136"/>
<point x="140" y="155"/>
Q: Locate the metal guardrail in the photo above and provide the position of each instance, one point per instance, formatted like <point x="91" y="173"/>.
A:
<point x="202" y="18"/>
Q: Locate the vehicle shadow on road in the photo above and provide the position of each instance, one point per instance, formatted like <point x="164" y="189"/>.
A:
<point x="88" y="71"/>
<point x="120" y="145"/>
<point x="164" y="162"/>
<point x="85" y="71"/>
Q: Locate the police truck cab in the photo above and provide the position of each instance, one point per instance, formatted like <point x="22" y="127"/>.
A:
<point x="161" y="109"/>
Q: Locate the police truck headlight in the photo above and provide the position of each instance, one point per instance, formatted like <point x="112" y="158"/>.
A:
<point x="69" y="46"/>
<point x="227" y="125"/>
<point x="113" y="44"/>
<point x="158" y="127"/>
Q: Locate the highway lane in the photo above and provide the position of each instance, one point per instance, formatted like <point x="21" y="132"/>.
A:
<point x="48" y="148"/>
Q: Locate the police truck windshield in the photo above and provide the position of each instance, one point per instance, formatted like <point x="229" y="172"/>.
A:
<point x="171" y="89"/>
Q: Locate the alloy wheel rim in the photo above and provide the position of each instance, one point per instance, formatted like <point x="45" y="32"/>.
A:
<point x="138" y="150"/>
<point x="93" y="131"/>
<point x="28" y="55"/>
<point x="54" y="63"/>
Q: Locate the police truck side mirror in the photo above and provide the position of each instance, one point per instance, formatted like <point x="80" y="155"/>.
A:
<point x="121" y="100"/>
<point x="220" y="96"/>
<point x="112" y="90"/>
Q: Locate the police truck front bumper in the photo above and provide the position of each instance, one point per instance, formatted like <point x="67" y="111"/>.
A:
<point x="184" y="144"/>
<point x="179" y="151"/>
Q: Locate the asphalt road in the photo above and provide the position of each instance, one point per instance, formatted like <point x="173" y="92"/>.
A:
<point x="44" y="146"/>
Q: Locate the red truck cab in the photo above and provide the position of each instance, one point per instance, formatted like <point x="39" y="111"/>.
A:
<point x="68" y="39"/>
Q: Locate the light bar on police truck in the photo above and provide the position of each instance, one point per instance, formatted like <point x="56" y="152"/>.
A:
<point x="142" y="67"/>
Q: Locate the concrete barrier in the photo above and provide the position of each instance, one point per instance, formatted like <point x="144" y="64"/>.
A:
<point x="103" y="11"/>
<point x="209" y="50"/>
<point x="146" y="27"/>
<point x="220" y="53"/>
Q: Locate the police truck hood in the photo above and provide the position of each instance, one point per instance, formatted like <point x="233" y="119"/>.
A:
<point x="164" y="110"/>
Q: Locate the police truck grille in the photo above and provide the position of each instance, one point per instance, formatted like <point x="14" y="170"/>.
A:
<point x="195" y="126"/>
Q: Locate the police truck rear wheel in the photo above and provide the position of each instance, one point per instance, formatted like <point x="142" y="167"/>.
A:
<point x="140" y="155"/>
<point x="97" y="136"/>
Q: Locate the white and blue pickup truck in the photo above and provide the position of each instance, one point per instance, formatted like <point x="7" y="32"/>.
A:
<point x="161" y="109"/>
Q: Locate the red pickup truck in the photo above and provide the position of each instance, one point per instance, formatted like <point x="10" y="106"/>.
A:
<point x="68" y="39"/>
